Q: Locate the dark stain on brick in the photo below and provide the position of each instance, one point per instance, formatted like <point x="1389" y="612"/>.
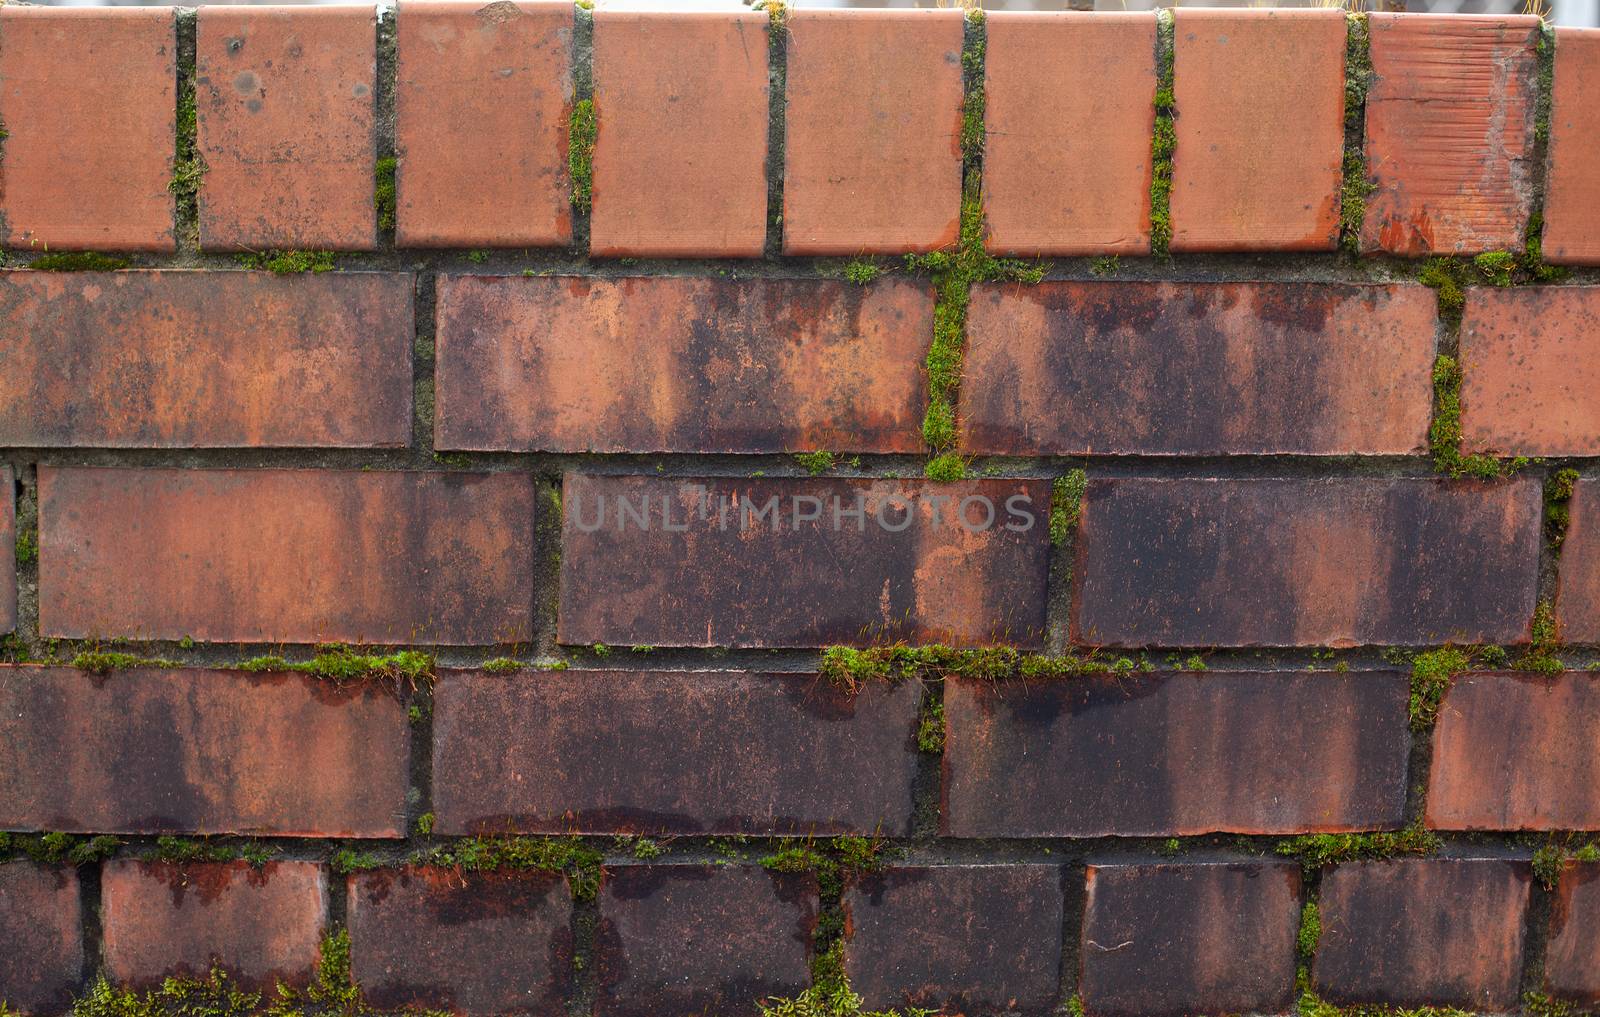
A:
<point x="42" y="962"/>
<point x="1572" y="958"/>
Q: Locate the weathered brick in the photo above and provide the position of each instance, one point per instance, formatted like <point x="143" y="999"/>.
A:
<point x="1060" y="175"/>
<point x="1572" y="182"/>
<point x="782" y="562"/>
<point x="1578" y="582"/>
<point x="956" y="938"/>
<point x="286" y="127"/>
<point x="42" y="963"/>
<point x="483" y="96"/>
<point x="1168" y="940"/>
<point x="1423" y="931"/>
<point x="681" y="152"/>
<point x="475" y="943"/>
<point x="680" y="940"/>
<point x="1530" y="366"/>
<point x="1175" y="754"/>
<point x="87" y="99"/>
<point x="194" y="751"/>
<point x="205" y="359"/>
<point x="649" y="752"/>
<point x="1449" y="133"/>
<point x="1305" y="562"/>
<point x="1572" y="958"/>
<point x="872" y="128"/>
<point x="286" y="555"/>
<point x="262" y="926"/>
<point x="1260" y="129"/>
<point x="681" y="364"/>
<point x="1155" y="368"/>
<point x="8" y="550"/>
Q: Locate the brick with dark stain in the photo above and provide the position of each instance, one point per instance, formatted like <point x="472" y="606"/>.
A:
<point x="8" y="550"/>
<point x="1578" y="579"/>
<point x="41" y="966"/>
<point x="1572" y="957"/>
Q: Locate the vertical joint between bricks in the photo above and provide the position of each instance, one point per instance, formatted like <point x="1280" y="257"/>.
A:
<point x="777" y="106"/>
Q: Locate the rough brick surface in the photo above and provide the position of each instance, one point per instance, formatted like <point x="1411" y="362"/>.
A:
<point x="956" y="938"/>
<point x="1435" y="931"/>
<point x="1572" y="182"/>
<point x="1200" y="369"/>
<point x="1167" y="940"/>
<point x="205" y="359"/>
<point x="42" y="965"/>
<point x="8" y="550"/>
<point x="87" y="99"/>
<point x="872" y="159"/>
<point x="1313" y="562"/>
<point x="782" y="562"/>
<point x="650" y="752"/>
<point x="1572" y="958"/>
<point x="568" y="364"/>
<point x="1531" y="361"/>
<point x="1260" y="129"/>
<point x="476" y="943"/>
<point x="1578" y="594"/>
<point x="286" y="555"/>
<point x="482" y="99"/>
<point x="1060" y="175"/>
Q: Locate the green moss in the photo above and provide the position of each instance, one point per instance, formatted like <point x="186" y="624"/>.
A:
<point x="503" y="665"/>
<point x="1444" y="434"/>
<point x="815" y="463"/>
<point x="644" y="848"/>
<point x="187" y="849"/>
<point x="581" y="134"/>
<point x="1066" y="503"/>
<point x="1557" y="511"/>
<point x="1531" y="266"/>
<point x="104" y="662"/>
<point x="1447" y="277"/>
<point x="946" y="468"/>
<point x="1163" y="142"/>
<point x="332" y="991"/>
<point x="1310" y="930"/>
<point x="1537" y="1004"/>
<point x="348" y="860"/>
<point x="213" y="996"/>
<point x="1194" y="663"/>
<point x="930" y="726"/>
<point x="1310" y="1005"/>
<point x="1431" y="675"/>
<point x="1317" y="850"/>
<point x="1170" y="847"/>
<point x="576" y="860"/>
<point x="1105" y="266"/>
<point x="343" y="664"/>
<point x="851" y="668"/>
<point x="862" y="271"/>
<point x="477" y="257"/>
<point x="27" y="547"/>
<point x="1543" y="637"/>
<point x="1075" y="1007"/>
<point x="425" y="824"/>
<point x="77" y="261"/>
<point x="1356" y="187"/>
<point x="383" y="191"/>
<point x="189" y="167"/>
<point x="57" y="848"/>
<point x="1546" y="51"/>
<point x="289" y="262"/>
<point x="1498" y="268"/>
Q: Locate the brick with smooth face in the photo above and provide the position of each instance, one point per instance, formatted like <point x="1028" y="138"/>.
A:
<point x="1572" y="956"/>
<point x="569" y="364"/>
<point x="721" y="561"/>
<point x="1260" y="129"/>
<point x="87" y="97"/>
<point x="1155" y="368"/>
<point x="1062" y="176"/>
<point x="649" y="752"/>
<point x="872" y="131"/>
<point x="263" y="926"/>
<point x="1175" y="754"/>
<point x="299" y="556"/>
<point x="477" y="943"/>
<point x="286" y="120"/>
<point x="483" y="97"/>
<point x="1423" y="931"/>
<point x="1164" y="940"/>
<point x="1572" y="181"/>
<point x="1449" y="139"/>
<point x="8" y="550"/>
<point x="1578" y="579"/>
<point x="682" y="940"/>
<point x="1305" y="562"/>
<point x="680" y="158"/>
<point x="41" y="968"/>
<point x="1531" y="361"/>
<point x="205" y="359"/>
<point x="956" y="938"/>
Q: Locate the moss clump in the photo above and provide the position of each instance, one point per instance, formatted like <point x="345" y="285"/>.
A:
<point x="77" y="261"/>
<point x="58" y="848"/>
<point x="1318" y="850"/>
<point x="1356" y="187"/>
<point x="1531" y="265"/>
<point x="574" y="859"/>
<point x="189" y="167"/>
<point x="1444" y="434"/>
<point x="1164" y="142"/>
<point x="1557" y="508"/>
<point x="27" y="548"/>
<point x="1545" y="48"/>
<point x="930" y="726"/>
<point x="1310" y="930"/>
<point x="180" y="850"/>
<point x="1537" y="1004"/>
<point x="104" y="662"/>
<point x="213" y="996"/>
<point x="946" y="468"/>
<point x="1310" y="1005"/>
<point x="342" y="664"/>
<point x="862" y="271"/>
<point x="348" y="860"/>
<point x="1542" y="643"/>
<point x="289" y="262"/>
<point x="1498" y="268"/>
<point x="503" y="665"/>
<point x="851" y="668"/>
<point x="425" y="824"/>
<point x="581" y="134"/>
<point x="1105" y="266"/>
<point x="1066" y="504"/>
<point x="815" y="463"/>
<point x="383" y="191"/>
<point x="1431" y="675"/>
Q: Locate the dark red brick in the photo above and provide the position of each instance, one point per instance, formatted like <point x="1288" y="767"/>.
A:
<point x="1305" y="562"/>
<point x="474" y="943"/>
<point x="8" y="550"/>
<point x="1176" y="939"/>
<point x="41" y="966"/>
<point x="706" y="568"/>
<point x="1079" y="368"/>
<point x="1578" y="586"/>
<point x="1571" y="225"/>
<point x="956" y="938"/>
<point x="298" y="556"/>
<point x="649" y="752"/>
<point x="192" y="751"/>
<point x="1175" y="754"/>
<point x="1572" y="958"/>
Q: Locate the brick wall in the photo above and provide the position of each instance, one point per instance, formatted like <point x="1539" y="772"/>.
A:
<point x="514" y="508"/>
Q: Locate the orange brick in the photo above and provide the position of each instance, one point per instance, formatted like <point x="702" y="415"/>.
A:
<point x="1531" y="362"/>
<point x="1572" y="187"/>
<point x="1260" y="129"/>
<point x="482" y="100"/>
<point x="872" y="131"/>
<point x="1061" y="175"/>
<point x="680" y="157"/>
<point x="286" y="118"/>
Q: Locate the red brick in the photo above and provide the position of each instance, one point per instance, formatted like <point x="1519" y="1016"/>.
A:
<point x="681" y="364"/>
<point x="872" y="130"/>
<point x="1153" y="368"/>
<point x="195" y="751"/>
<point x="88" y="100"/>
<point x="1260" y="129"/>
<point x="8" y="550"/>
<point x="286" y="119"/>
<point x="262" y="926"/>
<point x="681" y="152"/>
<point x="476" y="943"/>
<point x="1423" y="931"/>
<point x="1578" y="584"/>
<point x="1061" y="175"/>
<point x="1175" y="754"/>
<point x="1572" y="958"/>
<point x="1572" y="184"/>
<point x="205" y="359"/>
<point x="41" y="967"/>
<point x="483" y="97"/>
<point x="649" y="752"/>
<point x="1305" y="562"/>
<point x="956" y="938"/>
<point x="1169" y="940"/>
<point x="1449" y="133"/>
<point x="297" y="556"/>
<point x="722" y="561"/>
